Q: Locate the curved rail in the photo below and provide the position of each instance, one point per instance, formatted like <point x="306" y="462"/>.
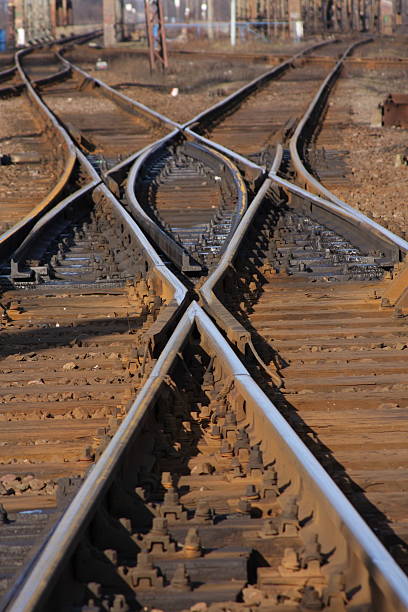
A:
<point x="11" y="238"/>
<point x="236" y="333"/>
<point x="177" y="253"/>
<point x="306" y="127"/>
<point x="357" y="550"/>
<point x="223" y="278"/>
<point x="307" y="124"/>
<point x="358" y="554"/>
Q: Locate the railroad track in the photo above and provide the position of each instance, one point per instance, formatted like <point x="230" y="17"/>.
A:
<point x="334" y="374"/>
<point x="89" y="317"/>
<point x="89" y="109"/>
<point x="26" y="154"/>
<point x="318" y="314"/>
<point x="260" y="106"/>
<point x="34" y="147"/>
<point x="203" y="233"/>
<point x="86" y="106"/>
<point x="337" y="164"/>
<point x="205" y="493"/>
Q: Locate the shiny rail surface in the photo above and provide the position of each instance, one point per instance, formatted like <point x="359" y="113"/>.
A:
<point x="259" y="106"/>
<point x="199" y="225"/>
<point x="202" y="490"/>
<point x="176" y="506"/>
<point x="38" y="129"/>
<point x="200" y="236"/>
<point x="71" y="255"/>
<point x="254" y="296"/>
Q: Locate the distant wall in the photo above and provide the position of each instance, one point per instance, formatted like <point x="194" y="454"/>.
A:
<point x="86" y="12"/>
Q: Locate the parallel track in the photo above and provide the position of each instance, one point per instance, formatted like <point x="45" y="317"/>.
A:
<point x="336" y="164"/>
<point x="105" y="131"/>
<point x="266" y="119"/>
<point x="89" y="320"/>
<point x="31" y="161"/>
<point x="313" y="306"/>
<point x="205" y="493"/>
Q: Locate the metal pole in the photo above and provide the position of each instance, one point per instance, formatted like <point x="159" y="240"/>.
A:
<point x="210" y="19"/>
<point x="109" y="23"/>
<point x="233" y="23"/>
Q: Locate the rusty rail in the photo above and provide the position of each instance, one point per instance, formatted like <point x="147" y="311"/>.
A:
<point x="359" y="554"/>
<point x="10" y="239"/>
<point x="177" y="253"/>
<point x="238" y="96"/>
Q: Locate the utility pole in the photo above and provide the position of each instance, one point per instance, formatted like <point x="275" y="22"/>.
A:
<point x="233" y="23"/>
<point x="210" y="18"/>
<point x="109" y="23"/>
<point x="156" y="34"/>
<point x="268" y="19"/>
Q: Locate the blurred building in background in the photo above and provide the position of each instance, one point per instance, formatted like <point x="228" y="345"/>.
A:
<point x="24" y="20"/>
<point x="3" y="24"/>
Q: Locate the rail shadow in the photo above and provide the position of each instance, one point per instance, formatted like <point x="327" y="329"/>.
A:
<point x="249" y="286"/>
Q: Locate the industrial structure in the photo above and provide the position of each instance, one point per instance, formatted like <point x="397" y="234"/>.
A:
<point x="31" y="19"/>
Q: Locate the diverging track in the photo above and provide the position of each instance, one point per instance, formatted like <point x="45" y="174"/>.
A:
<point x="204" y="491"/>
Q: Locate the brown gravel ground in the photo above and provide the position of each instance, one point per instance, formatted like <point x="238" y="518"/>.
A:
<point x="279" y="46"/>
<point x="201" y="83"/>
<point x="23" y="186"/>
<point x="375" y="185"/>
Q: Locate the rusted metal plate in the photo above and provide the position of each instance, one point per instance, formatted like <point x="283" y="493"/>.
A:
<point x="395" y="110"/>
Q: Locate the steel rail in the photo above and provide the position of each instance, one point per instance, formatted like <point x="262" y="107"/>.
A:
<point x="381" y="570"/>
<point x="171" y="288"/>
<point x="162" y="238"/>
<point x="354" y="216"/>
<point x="357" y="219"/>
<point x="10" y="239"/>
<point x="359" y="554"/>
<point x="119" y="98"/>
<point x="174" y="292"/>
<point x="236" y="332"/>
<point x="248" y="168"/>
<point x="8" y="75"/>
<point x="314" y="186"/>
<point x="12" y="236"/>
<point x="241" y="338"/>
<point x="298" y="138"/>
<point x="177" y="253"/>
<point x="224" y="105"/>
